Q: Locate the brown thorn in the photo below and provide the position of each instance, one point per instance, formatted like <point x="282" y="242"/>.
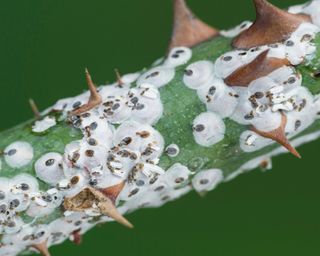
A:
<point x="279" y="136"/>
<point x="77" y="237"/>
<point x="34" y="109"/>
<point x="188" y="30"/>
<point x="89" y="197"/>
<point x="42" y="248"/>
<point x="113" y="192"/>
<point x="119" y="78"/>
<point x="94" y="99"/>
<point x="272" y="25"/>
<point x="108" y="209"/>
<point x="261" y="66"/>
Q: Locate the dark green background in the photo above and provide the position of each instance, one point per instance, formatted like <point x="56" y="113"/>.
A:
<point x="44" y="47"/>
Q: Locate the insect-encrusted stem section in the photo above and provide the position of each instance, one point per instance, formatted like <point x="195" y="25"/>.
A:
<point x="198" y="117"/>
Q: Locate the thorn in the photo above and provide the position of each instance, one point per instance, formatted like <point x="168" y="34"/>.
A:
<point x="34" y="109"/>
<point x="279" y="136"/>
<point x="89" y="197"/>
<point x="107" y="208"/>
<point x="113" y="192"/>
<point x="188" y="30"/>
<point x="259" y="67"/>
<point x="77" y="237"/>
<point x="272" y="25"/>
<point x="42" y="248"/>
<point x="94" y="99"/>
<point x="119" y="78"/>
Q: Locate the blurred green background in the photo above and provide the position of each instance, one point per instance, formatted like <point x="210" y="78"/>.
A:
<point x="44" y="47"/>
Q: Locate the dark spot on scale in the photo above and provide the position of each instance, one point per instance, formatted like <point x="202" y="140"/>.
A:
<point x="75" y="157"/>
<point x="3" y="208"/>
<point x="2" y="195"/>
<point x="108" y="112"/>
<point x="259" y="95"/>
<point x="175" y="56"/>
<point x="14" y="203"/>
<point x="188" y="72"/>
<point x="171" y="151"/>
<point x="115" y="106"/>
<point x="134" y="192"/>
<point x="127" y="140"/>
<point x="306" y="38"/>
<point x="153" y="179"/>
<point x="11" y="224"/>
<point x="160" y="188"/>
<point x="27" y="237"/>
<point x="303" y="103"/>
<point x="86" y="115"/>
<point x="78" y="223"/>
<point x="93" y="182"/>
<point x="74" y="180"/>
<point x="165" y="198"/>
<point x="143" y="134"/>
<point x="77" y="104"/>
<point x="243" y="26"/>
<point x="289" y="43"/>
<point x="140" y="183"/>
<point x="227" y="58"/>
<point x="153" y="74"/>
<point x="291" y="80"/>
<point x="50" y="162"/>
<point x="297" y="125"/>
<point x="24" y="186"/>
<point x="255" y="49"/>
<point x="140" y="106"/>
<point x="199" y="128"/>
<point x="108" y="103"/>
<point x="93" y="126"/>
<point x="134" y="100"/>
<point x="92" y="142"/>
<point x="47" y="198"/>
<point x="89" y="153"/>
<point x="212" y="90"/>
<point x="179" y="180"/>
<point x="40" y="234"/>
<point x="273" y="46"/>
<point x="148" y="151"/>
<point x="12" y="152"/>
<point x="133" y="156"/>
<point x="204" y="181"/>
<point x="248" y="117"/>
